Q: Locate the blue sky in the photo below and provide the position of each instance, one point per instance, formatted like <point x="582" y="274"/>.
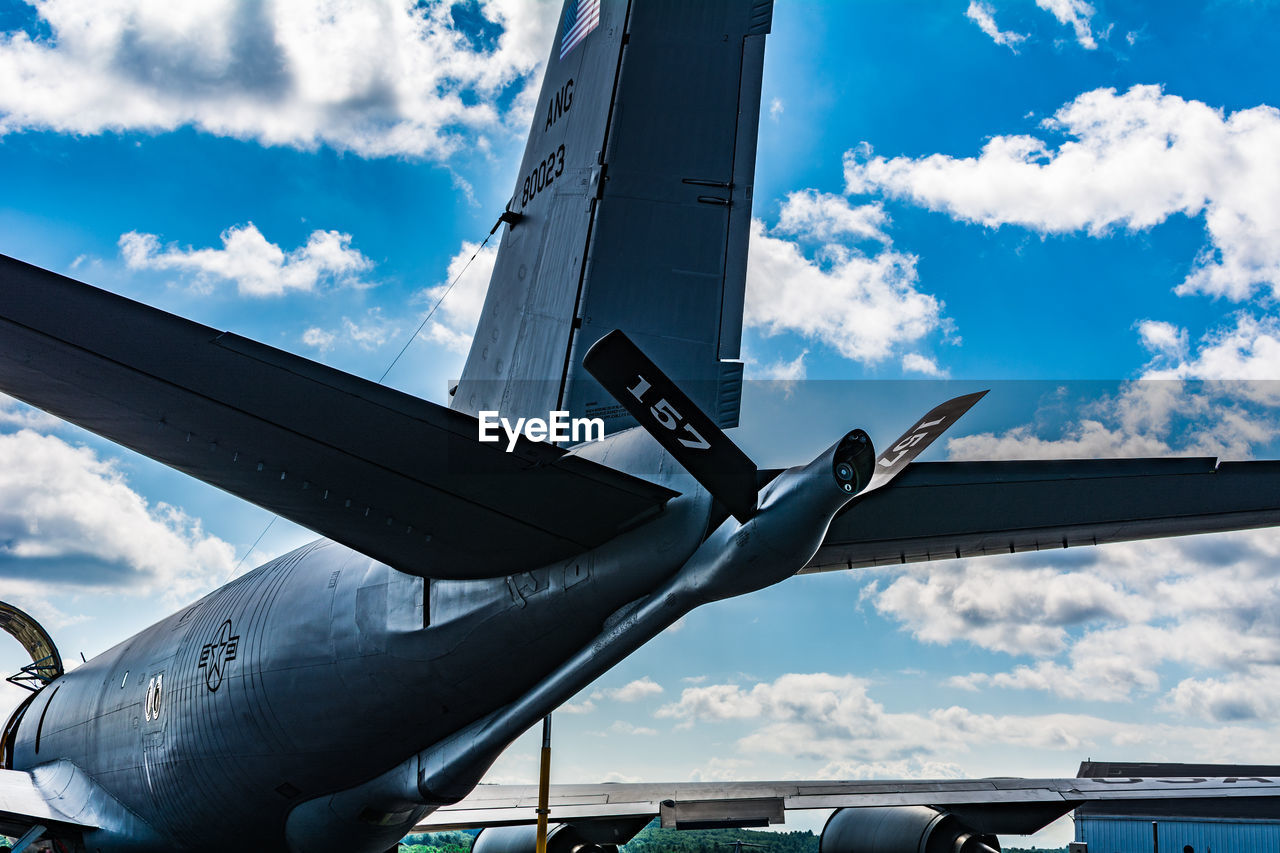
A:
<point x="1076" y="204"/>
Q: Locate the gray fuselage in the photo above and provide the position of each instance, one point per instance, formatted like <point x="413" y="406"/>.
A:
<point x="319" y="670"/>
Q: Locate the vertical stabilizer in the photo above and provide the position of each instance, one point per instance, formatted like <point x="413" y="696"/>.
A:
<point x="634" y="197"/>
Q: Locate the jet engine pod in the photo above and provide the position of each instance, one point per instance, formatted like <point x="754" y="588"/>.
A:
<point x="561" y="838"/>
<point x="901" y="829"/>
<point x="854" y="461"/>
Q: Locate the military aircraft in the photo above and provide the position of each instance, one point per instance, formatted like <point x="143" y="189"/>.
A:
<point x="342" y="694"/>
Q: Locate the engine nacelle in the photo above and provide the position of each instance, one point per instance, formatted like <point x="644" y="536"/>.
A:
<point x="901" y="829"/>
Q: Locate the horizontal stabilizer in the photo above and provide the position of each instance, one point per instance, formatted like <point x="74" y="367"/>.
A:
<point x="400" y="479"/>
<point x="667" y="413"/>
<point x="940" y="510"/>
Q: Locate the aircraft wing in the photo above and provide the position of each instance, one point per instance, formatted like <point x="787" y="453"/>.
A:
<point x="24" y="806"/>
<point x="941" y="510"/>
<point x="1002" y="805"/>
<point x="395" y="477"/>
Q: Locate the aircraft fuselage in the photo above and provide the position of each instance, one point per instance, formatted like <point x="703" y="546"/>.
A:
<point x="228" y="706"/>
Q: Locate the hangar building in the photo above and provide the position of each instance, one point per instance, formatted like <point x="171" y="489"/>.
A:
<point x="1224" y="825"/>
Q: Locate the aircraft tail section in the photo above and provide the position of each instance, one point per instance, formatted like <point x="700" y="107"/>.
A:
<point x="634" y="203"/>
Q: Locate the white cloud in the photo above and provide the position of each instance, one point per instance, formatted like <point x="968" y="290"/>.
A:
<point x="632" y="691"/>
<point x="833" y="721"/>
<point x="584" y="707"/>
<point x="1151" y="417"/>
<point x="454" y="322"/>
<point x="319" y="338"/>
<point x="720" y="769"/>
<point x="1132" y="161"/>
<point x="69" y="518"/>
<point x="914" y="362"/>
<point x="824" y="217"/>
<point x="1114" y="682"/>
<point x="776" y="108"/>
<point x="257" y="267"/>
<point x="983" y="15"/>
<point x="1254" y="694"/>
<point x="862" y="306"/>
<point x="1076" y="14"/>
<point x="622" y="727"/>
<point x="1163" y="338"/>
<point x="376" y="78"/>
<point x="1118" y="622"/>
<point x="368" y="334"/>
<point x="786" y="372"/>
<point x="14" y="413"/>
<point x="1023" y="609"/>
<point x="1112" y="623"/>
<point x="1246" y="353"/>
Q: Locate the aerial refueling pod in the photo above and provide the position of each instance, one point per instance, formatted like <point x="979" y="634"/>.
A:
<point x="583" y="837"/>
<point x="901" y="829"/>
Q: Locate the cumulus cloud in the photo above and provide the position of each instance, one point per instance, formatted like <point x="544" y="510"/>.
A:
<point x="1163" y="339"/>
<point x="369" y="333"/>
<point x="914" y="362"/>
<point x="1131" y="160"/>
<point x="1112" y="623"/>
<point x="1152" y="417"/>
<point x="1020" y="610"/>
<point x="632" y="691"/>
<point x="319" y="338"/>
<point x="454" y="322"/>
<point x="833" y="721"/>
<point x="984" y="16"/>
<point x="622" y="727"/>
<point x="782" y="371"/>
<point x="1253" y="694"/>
<point x="17" y="414"/>
<point x="825" y="217"/>
<point x="1245" y="353"/>
<point x="861" y="305"/>
<point x="1076" y="14"/>
<point x="381" y="78"/>
<point x="1197" y="614"/>
<point x="258" y="268"/>
<point x="68" y="518"/>
<point x="721" y="769"/>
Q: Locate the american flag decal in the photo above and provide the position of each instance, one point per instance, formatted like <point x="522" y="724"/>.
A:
<point x="580" y="18"/>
